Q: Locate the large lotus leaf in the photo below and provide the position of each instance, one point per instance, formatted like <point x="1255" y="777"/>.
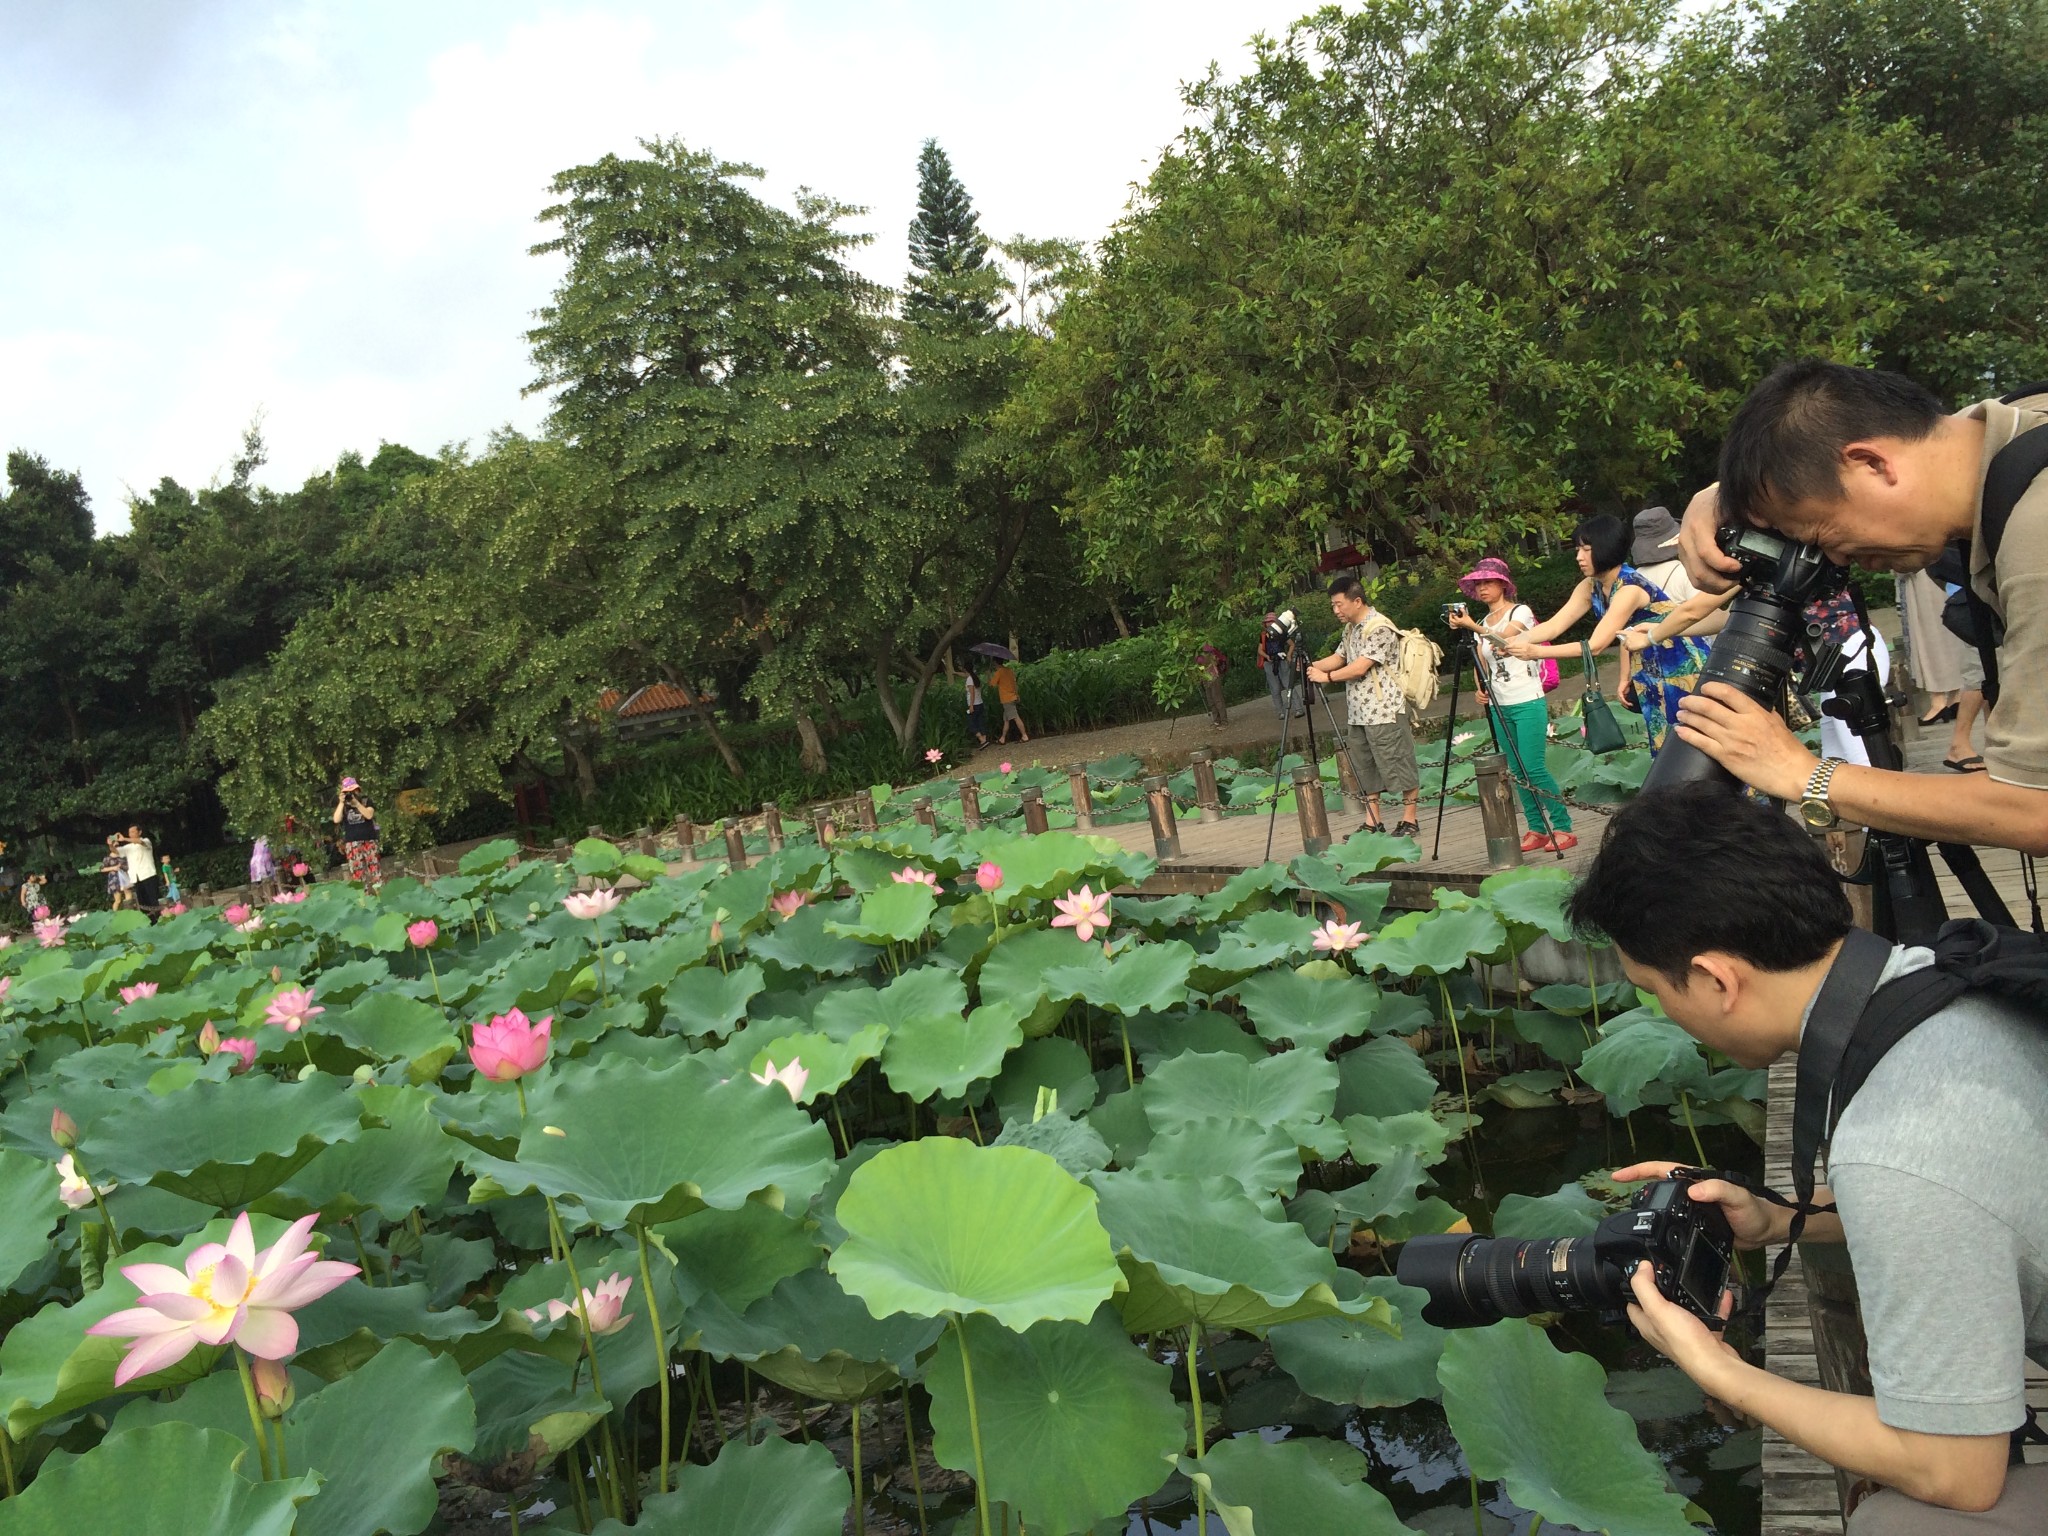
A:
<point x="1361" y="903"/>
<point x="1017" y="967"/>
<point x="225" y="1144"/>
<point x="1288" y="1090"/>
<point x="830" y="1063"/>
<point x="742" y="895"/>
<point x="377" y="1436"/>
<point x="1292" y="1488"/>
<point x="1444" y="941"/>
<point x="1562" y="1038"/>
<point x="801" y="943"/>
<point x="1071" y="1142"/>
<point x="1643" y="1051"/>
<point x="1570" y="1212"/>
<point x="1120" y="1121"/>
<point x="742" y="1254"/>
<point x="1246" y="891"/>
<point x="1076" y="1421"/>
<point x="891" y="914"/>
<point x="1395" y="1189"/>
<point x="29" y="1208"/>
<point x="488" y="858"/>
<point x="526" y="1400"/>
<point x="344" y="1328"/>
<point x="1312" y="1011"/>
<point x="1378" y="1140"/>
<point x="776" y="1488"/>
<point x="1158" y="1037"/>
<point x="401" y="1162"/>
<point x="1056" y="1063"/>
<point x="943" y="1053"/>
<point x="1262" y="1159"/>
<point x="646" y="1145"/>
<point x="813" y="1338"/>
<point x="1382" y="1077"/>
<point x="942" y="1226"/>
<point x="1147" y="979"/>
<point x="1531" y="901"/>
<point x="1153" y="916"/>
<point x="1534" y="1417"/>
<point x="1525" y="1090"/>
<point x="1053" y="862"/>
<point x="389" y="1026"/>
<point x="704" y="1000"/>
<point x="1366" y="852"/>
<point x="1373" y="1362"/>
<point x="168" y="1479"/>
<point x="930" y="992"/>
<point x="1204" y="1250"/>
<point x="1576" y="1001"/>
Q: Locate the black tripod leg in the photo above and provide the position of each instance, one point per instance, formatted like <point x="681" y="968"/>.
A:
<point x="1295" y="679"/>
<point x="1443" y="792"/>
<point x="1968" y="869"/>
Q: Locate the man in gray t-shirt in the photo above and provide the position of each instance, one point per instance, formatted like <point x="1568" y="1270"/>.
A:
<point x="1727" y="912"/>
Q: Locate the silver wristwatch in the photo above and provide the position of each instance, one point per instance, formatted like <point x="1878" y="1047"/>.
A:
<point x="1814" y="807"/>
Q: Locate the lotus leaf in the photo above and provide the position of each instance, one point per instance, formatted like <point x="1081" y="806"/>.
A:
<point x="1443" y="941"/>
<point x="776" y="1488"/>
<point x="1374" y="1141"/>
<point x="1159" y="1037"/>
<point x="891" y="914"/>
<point x="1076" y="1422"/>
<point x="1292" y="1488"/>
<point x="1526" y="1090"/>
<point x="376" y="1437"/>
<point x="1395" y="1189"/>
<point x="1120" y="1121"/>
<point x="1366" y="852"/>
<point x="640" y="1145"/>
<point x="942" y="1226"/>
<point x="1570" y="1212"/>
<point x="812" y="1337"/>
<point x="402" y="1162"/>
<point x="1376" y="1362"/>
<point x="1246" y="891"/>
<point x="1069" y="1141"/>
<point x="944" y="1053"/>
<point x="801" y="943"/>
<point x="920" y="996"/>
<point x="1663" y="1392"/>
<point x="830" y="1063"/>
<point x="344" y="1328"/>
<point x="1150" y="978"/>
<point x="1287" y="1090"/>
<point x="1628" y="1059"/>
<point x="742" y="1254"/>
<point x="167" y="1479"/>
<point x="704" y="1000"/>
<point x="1562" y="1037"/>
<point x="388" y="1026"/>
<point x="1320" y="878"/>
<point x="1312" y="1011"/>
<point x="1056" y="1063"/>
<point x="1534" y="1417"/>
<point x="1262" y="1159"/>
<point x="521" y="1397"/>
<point x="1052" y="863"/>
<point x="1382" y="1077"/>
<point x="1531" y="901"/>
<point x="225" y="1144"/>
<point x="488" y="858"/>
<point x="29" y="1208"/>
<point x="1202" y="1250"/>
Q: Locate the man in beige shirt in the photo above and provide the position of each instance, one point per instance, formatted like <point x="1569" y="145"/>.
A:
<point x="1867" y="465"/>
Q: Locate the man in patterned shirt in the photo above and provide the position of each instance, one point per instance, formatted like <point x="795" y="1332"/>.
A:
<point x="1376" y="732"/>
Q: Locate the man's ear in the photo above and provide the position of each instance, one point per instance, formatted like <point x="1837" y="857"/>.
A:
<point x="1723" y="973"/>
<point x="1876" y="457"/>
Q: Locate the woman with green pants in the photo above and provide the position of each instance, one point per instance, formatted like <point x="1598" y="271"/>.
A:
<point x="1513" y="691"/>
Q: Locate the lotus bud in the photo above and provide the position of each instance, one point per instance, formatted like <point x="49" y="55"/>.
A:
<point x="274" y="1391"/>
<point x="308" y="1072"/>
<point x="364" y="1075"/>
<point x="63" y="1129"/>
<point x="276" y="974"/>
<point x="717" y="934"/>
<point x="209" y="1038"/>
<point x="989" y="876"/>
<point x="553" y="1130"/>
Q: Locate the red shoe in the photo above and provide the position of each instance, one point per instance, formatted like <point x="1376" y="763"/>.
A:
<point x="1560" y="842"/>
<point x="1534" y="842"/>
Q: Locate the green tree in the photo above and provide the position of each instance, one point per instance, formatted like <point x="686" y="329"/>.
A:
<point x="948" y="251"/>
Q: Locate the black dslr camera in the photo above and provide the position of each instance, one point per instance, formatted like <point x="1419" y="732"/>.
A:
<point x="1474" y="1281"/>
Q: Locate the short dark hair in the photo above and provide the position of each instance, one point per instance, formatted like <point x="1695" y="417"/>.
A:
<point x="1607" y="538"/>
<point x="1348" y="586"/>
<point x="1786" y="440"/>
<point x="1700" y="867"/>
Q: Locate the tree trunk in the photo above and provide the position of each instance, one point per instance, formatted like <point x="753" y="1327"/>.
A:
<point x="581" y="765"/>
<point x="1123" y="628"/>
<point x="708" y="718"/>
<point x="813" y="757"/>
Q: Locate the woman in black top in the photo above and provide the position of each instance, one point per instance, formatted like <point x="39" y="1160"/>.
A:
<point x="357" y="819"/>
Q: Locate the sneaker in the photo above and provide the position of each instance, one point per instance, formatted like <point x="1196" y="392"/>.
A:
<point x="1407" y="829"/>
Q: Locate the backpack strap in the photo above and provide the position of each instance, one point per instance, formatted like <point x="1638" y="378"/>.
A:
<point x="2013" y="469"/>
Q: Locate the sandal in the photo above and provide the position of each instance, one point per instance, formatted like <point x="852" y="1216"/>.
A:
<point x="1964" y="764"/>
<point x="1407" y="829"/>
<point x="1532" y="842"/>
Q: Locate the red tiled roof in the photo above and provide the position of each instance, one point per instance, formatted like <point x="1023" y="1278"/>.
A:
<point x="656" y="699"/>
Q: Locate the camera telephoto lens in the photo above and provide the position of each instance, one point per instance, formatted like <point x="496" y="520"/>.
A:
<point x="1474" y="1281"/>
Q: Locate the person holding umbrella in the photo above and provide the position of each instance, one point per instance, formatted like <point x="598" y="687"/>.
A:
<point x="1004" y="681"/>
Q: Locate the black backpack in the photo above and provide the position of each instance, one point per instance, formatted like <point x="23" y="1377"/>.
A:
<point x="2013" y="468"/>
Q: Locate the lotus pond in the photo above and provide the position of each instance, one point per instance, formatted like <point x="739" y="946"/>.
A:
<point x="518" y="1201"/>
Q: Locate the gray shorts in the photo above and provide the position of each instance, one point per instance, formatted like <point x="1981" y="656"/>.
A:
<point x="2022" y="1508"/>
<point x="1973" y="670"/>
<point x="1010" y="712"/>
<point x="1384" y="756"/>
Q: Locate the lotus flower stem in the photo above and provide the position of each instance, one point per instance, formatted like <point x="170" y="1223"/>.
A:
<point x="747" y="1409"/>
<point x="1130" y="1071"/>
<point x="1478" y="1525"/>
<point x="604" y="988"/>
<point x="576" y="1487"/>
<point x="711" y="1407"/>
<point x="1593" y="987"/>
<point x="975" y="1120"/>
<point x="1201" y="1436"/>
<point x="512" y="1509"/>
<point x="434" y="971"/>
<point x="910" y="1449"/>
<point x="611" y="1448"/>
<point x="860" y="1508"/>
<point x="845" y="1146"/>
<point x="114" y="1233"/>
<point x="1457" y="1042"/>
<point x="14" y="1488"/>
<point x="283" y="1467"/>
<point x="255" y="1411"/>
<point x="1685" y="1104"/>
<point x="660" y="1348"/>
<point x="974" y="1427"/>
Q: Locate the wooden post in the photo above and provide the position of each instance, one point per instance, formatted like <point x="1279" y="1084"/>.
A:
<point x="1034" y="810"/>
<point x="1159" y="807"/>
<point x="1309" y="810"/>
<point x="1208" y="800"/>
<point x="921" y="808"/>
<point x="645" y="839"/>
<point x="1347" y="780"/>
<point x="821" y="823"/>
<point x="686" y="839"/>
<point x="561" y="850"/>
<point x="864" y="811"/>
<point x="594" y="832"/>
<point x="970" y="802"/>
<point x="735" y="845"/>
<point x="1497" y="811"/>
<point x="771" y="824"/>
<point x="1084" y="804"/>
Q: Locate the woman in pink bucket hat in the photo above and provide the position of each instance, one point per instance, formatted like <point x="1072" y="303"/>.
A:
<point x="1512" y="691"/>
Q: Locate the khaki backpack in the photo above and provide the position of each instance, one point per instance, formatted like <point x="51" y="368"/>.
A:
<point x="1419" y="658"/>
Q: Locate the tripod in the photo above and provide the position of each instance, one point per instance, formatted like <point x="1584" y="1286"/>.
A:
<point x="1293" y="676"/>
<point x="1503" y="742"/>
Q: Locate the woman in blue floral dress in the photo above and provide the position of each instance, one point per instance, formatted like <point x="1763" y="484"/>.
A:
<point x="1618" y="595"/>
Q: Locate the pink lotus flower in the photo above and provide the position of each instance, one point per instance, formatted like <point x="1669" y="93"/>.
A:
<point x="1003" y="767"/>
<point x="1333" y="938"/>
<point x="138" y="992"/>
<point x="603" y="1306"/>
<point x="934" y="755"/>
<point x="209" y="1038"/>
<point x="251" y="926"/>
<point x="1083" y="911"/>
<point x="236" y="915"/>
<point x="989" y="876"/>
<point x="41" y="914"/>
<point x="72" y="1188"/>
<point x="287" y="898"/>
<point x="591" y="905"/>
<point x="6" y="939"/>
<point x="788" y="903"/>
<point x="5" y="983"/>
<point x="50" y="932"/>
<point x="63" y="1129"/>
<point x="274" y="1391"/>
<point x="176" y="909"/>
<point x="509" y="1047"/>
<point x="793" y="1077"/>
<point x="422" y="933"/>
<point x="300" y="871"/>
<point x="228" y="1293"/>
<point x="910" y="876"/>
<point x="292" y="1009"/>
<point x="244" y="1049"/>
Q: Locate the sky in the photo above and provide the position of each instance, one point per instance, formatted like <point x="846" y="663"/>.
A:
<point x="321" y="211"/>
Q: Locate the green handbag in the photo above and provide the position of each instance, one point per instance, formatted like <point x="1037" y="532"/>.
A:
<point x="1603" y="731"/>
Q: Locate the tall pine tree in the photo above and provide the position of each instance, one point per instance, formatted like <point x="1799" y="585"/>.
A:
<point x="950" y="276"/>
